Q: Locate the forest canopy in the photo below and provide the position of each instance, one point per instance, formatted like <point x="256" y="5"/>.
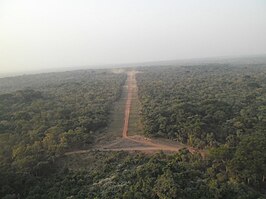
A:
<point x="205" y="105"/>
<point x="218" y="108"/>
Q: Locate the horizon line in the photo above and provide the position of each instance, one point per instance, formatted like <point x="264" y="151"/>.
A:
<point x="125" y="65"/>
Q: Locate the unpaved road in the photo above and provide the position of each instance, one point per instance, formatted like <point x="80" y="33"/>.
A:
<point x="137" y="143"/>
<point x="130" y="78"/>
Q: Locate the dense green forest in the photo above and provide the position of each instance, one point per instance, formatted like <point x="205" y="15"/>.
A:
<point x="50" y="114"/>
<point x="217" y="107"/>
<point x="220" y="108"/>
<point x="203" y="106"/>
<point x="129" y="176"/>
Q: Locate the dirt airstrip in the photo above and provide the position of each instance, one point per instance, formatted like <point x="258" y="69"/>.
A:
<point x="136" y="142"/>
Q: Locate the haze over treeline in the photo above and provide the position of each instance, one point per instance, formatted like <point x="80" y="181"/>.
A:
<point x="43" y="35"/>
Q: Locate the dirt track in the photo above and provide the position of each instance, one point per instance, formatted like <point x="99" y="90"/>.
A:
<point x="137" y="143"/>
<point x="130" y="77"/>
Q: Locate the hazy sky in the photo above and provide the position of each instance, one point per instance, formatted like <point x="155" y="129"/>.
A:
<point x="40" y="34"/>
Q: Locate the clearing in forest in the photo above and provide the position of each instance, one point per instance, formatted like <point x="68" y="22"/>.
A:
<point x="125" y="133"/>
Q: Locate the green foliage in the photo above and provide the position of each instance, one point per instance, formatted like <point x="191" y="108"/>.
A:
<point x="203" y="106"/>
<point x="52" y="113"/>
<point x="249" y="162"/>
<point x="120" y="175"/>
<point x="217" y="107"/>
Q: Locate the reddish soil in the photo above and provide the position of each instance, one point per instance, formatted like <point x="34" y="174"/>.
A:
<point x="130" y="76"/>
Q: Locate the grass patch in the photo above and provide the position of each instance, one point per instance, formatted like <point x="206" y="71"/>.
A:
<point x="135" y="126"/>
